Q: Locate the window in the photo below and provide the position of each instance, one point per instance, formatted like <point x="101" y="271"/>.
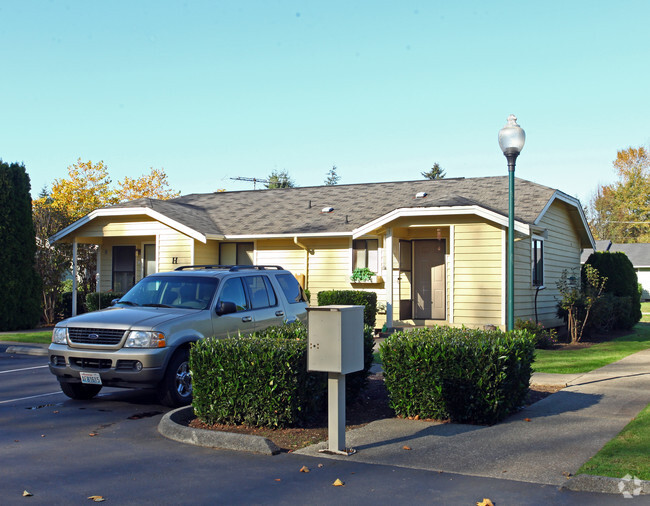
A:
<point x="123" y="268"/>
<point x="260" y="291"/>
<point x="538" y="262"/>
<point x="365" y="253"/>
<point x="233" y="291"/>
<point x="291" y="288"/>
<point x="236" y="253"/>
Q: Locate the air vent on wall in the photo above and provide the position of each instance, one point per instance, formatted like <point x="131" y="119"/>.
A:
<point x="421" y="195"/>
<point x="327" y="210"/>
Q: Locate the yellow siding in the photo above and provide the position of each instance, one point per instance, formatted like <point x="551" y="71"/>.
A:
<point x="120" y="226"/>
<point x="172" y="246"/>
<point x="206" y="254"/>
<point x="478" y="277"/>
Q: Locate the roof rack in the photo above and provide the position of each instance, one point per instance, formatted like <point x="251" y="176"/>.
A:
<point x="229" y="267"/>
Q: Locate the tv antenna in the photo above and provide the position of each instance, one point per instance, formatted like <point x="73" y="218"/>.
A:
<point x="255" y="180"/>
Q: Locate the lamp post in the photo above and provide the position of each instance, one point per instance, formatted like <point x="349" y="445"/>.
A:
<point x="511" y="141"/>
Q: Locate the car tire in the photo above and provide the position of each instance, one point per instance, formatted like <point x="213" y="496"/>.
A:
<point x="79" y="391"/>
<point x="176" y="387"/>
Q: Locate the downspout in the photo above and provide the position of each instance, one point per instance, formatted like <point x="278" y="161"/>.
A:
<point x="308" y="252"/>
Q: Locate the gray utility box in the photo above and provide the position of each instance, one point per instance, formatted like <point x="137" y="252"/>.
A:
<point x="335" y="342"/>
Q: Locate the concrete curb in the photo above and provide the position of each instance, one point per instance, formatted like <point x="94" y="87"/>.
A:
<point x="627" y="487"/>
<point x="174" y="426"/>
<point x="27" y="350"/>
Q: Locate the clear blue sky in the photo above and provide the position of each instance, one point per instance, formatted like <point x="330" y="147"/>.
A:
<point x="212" y="90"/>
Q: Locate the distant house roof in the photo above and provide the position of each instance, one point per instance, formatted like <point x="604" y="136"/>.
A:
<point x="300" y="211"/>
<point x="638" y="253"/>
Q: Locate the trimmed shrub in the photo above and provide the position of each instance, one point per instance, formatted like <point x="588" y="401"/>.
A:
<point x="101" y="300"/>
<point x="352" y="298"/>
<point x="621" y="282"/>
<point x="468" y="376"/>
<point x="544" y="338"/>
<point x="262" y="379"/>
<point x="64" y="305"/>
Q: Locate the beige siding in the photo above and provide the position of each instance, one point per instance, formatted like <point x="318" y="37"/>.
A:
<point x="561" y="251"/>
<point x="174" y="249"/>
<point x="206" y="254"/>
<point x="121" y="227"/>
<point x="478" y="277"/>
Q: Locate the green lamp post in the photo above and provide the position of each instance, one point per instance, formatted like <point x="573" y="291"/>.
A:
<point x="511" y="141"/>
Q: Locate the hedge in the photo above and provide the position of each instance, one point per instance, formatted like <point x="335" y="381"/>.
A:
<point x="468" y="376"/>
<point x="101" y="300"/>
<point x="262" y="379"/>
<point x="353" y="298"/>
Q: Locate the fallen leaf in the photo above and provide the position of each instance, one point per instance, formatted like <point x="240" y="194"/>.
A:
<point x="42" y="435"/>
<point x="320" y="466"/>
<point x="27" y="494"/>
<point x="338" y="483"/>
<point x="93" y="434"/>
<point x="406" y="448"/>
<point x="485" y="502"/>
<point x="97" y="498"/>
<point x="416" y="417"/>
<point x="304" y="469"/>
<point x="278" y="479"/>
<point x="527" y="420"/>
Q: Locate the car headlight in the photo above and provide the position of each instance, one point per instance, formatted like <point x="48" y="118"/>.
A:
<point x="60" y="335"/>
<point x="145" y="339"/>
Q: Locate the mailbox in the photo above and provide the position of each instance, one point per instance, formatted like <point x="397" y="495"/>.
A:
<point x="335" y="339"/>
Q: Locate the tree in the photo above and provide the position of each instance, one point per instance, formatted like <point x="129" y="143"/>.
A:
<point x="332" y="177"/>
<point x="19" y="282"/>
<point x="153" y="185"/>
<point x="52" y="260"/>
<point x="436" y="172"/>
<point x="280" y="180"/>
<point x="620" y="211"/>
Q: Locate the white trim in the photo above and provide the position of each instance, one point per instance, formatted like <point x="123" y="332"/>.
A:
<point x="134" y="211"/>
<point x="533" y="238"/>
<point x="411" y="212"/>
<point x="388" y="278"/>
<point x="452" y="267"/>
<point x="281" y="236"/>
<point x="567" y="199"/>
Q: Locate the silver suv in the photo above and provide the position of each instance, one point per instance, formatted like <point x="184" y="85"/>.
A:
<point x="143" y="340"/>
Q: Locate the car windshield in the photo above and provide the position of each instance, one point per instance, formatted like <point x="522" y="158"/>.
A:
<point x="187" y="292"/>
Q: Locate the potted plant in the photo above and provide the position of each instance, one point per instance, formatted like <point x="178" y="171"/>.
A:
<point x="364" y="275"/>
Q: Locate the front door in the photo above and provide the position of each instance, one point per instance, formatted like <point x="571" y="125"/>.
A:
<point x="429" y="284"/>
<point x="123" y="268"/>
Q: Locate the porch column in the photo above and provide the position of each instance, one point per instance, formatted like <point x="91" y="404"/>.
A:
<point x="388" y="279"/>
<point x="74" y="276"/>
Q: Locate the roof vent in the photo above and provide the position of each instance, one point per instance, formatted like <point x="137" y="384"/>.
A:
<point x="327" y="210"/>
<point x="420" y="195"/>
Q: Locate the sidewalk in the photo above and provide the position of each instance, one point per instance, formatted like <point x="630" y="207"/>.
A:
<point x="544" y="443"/>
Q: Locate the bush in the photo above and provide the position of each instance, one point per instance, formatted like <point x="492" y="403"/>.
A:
<point x="544" y="338"/>
<point x="262" y="379"/>
<point x="101" y="300"/>
<point x="468" y="376"/>
<point x="621" y="282"/>
<point x="64" y="305"/>
<point x="353" y="298"/>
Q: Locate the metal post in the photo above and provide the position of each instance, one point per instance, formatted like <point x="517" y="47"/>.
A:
<point x="510" y="322"/>
<point x="336" y="412"/>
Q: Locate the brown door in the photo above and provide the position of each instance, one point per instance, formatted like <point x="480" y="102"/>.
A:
<point x="429" y="286"/>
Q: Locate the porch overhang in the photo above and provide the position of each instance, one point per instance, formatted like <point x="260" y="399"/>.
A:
<point x="132" y="211"/>
<point x="410" y="212"/>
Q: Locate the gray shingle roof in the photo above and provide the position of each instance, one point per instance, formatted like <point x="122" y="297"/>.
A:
<point x="638" y="253"/>
<point x="298" y="210"/>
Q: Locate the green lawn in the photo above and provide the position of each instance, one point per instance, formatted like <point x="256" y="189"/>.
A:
<point x="598" y="355"/>
<point x="28" y="337"/>
<point x="627" y="453"/>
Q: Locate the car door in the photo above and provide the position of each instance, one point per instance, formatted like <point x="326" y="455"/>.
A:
<point x="242" y="320"/>
<point x="267" y="311"/>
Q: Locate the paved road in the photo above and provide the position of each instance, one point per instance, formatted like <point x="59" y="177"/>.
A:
<point x="64" y="451"/>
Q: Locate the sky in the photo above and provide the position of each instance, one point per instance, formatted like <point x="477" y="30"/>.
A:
<point x="214" y="90"/>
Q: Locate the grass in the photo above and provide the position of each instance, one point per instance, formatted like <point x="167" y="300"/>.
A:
<point x="44" y="337"/>
<point x="627" y="453"/>
<point x="587" y="359"/>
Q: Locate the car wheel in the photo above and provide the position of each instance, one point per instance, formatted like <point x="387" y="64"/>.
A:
<point x="80" y="391"/>
<point x="176" y="387"/>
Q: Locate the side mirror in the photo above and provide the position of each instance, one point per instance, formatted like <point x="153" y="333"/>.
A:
<point x="226" y="307"/>
<point x="114" y="301"/>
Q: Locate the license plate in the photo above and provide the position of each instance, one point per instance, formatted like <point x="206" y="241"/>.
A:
<point x="91" y="378"/>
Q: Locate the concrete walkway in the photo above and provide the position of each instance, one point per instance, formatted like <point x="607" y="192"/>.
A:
<point x="544" y="443"/>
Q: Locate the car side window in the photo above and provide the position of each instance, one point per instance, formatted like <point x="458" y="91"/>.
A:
<point x="291" y="288"/>
<point x="258" y="290"/>
<point x="233" y="291"/>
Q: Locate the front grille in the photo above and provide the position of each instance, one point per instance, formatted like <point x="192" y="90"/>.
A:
<point x="90" y="363"/>
<point x="95" y="336"/>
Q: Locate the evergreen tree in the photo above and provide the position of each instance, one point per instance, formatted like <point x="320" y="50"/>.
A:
<point x="19" y="282"/>
<point x="332" y="177"/>
<point x="435" y="172"/>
